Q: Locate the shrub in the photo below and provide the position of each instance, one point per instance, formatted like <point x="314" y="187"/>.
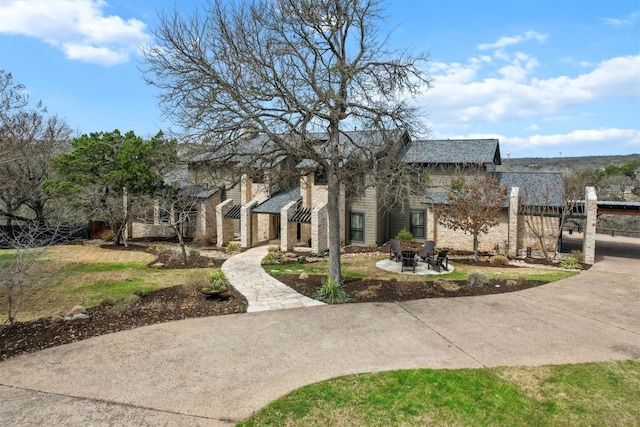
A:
<point x="332" y="292"/>
<point x="499" y="260"/>
<point x="273" y="249"/>
<point x="476" y="279"/>
<point x="404" y="236"/>
<point x="521" y="280"/>
<point x="107" y="236"/>
<point x="232" y="248"/>
<point x="273" y="258"/>
<point x="125" y="305"/>
<point x="571" y="262"/>
<point x="218" y="281"/>
<point x="194" y="252"/>
<point x="579" y="255"/>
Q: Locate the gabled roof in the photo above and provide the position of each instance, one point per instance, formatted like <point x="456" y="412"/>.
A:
<point x="452" y="151"/>
<point x="279" y="200"/>
<point x="354" y="143"/>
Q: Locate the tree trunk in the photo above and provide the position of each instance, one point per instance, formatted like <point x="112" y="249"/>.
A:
<point x="475" y="247"/>
<point x="333" y="208"/>
<point x="176" y="229"/>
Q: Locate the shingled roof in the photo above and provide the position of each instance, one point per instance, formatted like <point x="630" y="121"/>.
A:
<point x="536" y="189"/>
<point x="452" y="151"/>
<point x="279" y="200"/>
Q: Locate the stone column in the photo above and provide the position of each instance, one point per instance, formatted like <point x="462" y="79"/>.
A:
<point x="224" y="226"/>
<point x="287" y="229"/>
<point x="246" y="224"/>
<point x="512" y="232"/>
<point x="319" y="231"/>
<point x="589" y="242"/>
<point x="430" y="232"/>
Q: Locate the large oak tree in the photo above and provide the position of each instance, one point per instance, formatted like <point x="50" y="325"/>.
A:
<point x="288" y="69"/>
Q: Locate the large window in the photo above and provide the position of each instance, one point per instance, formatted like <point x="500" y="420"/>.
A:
<point x="357" y="227"/>
<point x="417" y="224"/>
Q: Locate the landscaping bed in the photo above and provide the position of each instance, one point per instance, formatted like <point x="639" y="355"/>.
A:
<point x="369" y="290"/>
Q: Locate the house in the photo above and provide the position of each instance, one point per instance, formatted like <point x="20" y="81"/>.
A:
<point x="285" y="199"/>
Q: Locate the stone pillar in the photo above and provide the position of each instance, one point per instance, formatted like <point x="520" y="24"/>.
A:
<point x="589" y="242"/>
<point x="156" y="212"/>
<point x="201" y="221"/>
<point x="224" y="226"/>
<point x="287" y="229"/>
<point x="246" y="224"/>
<point x="319" y="230"/>
<point x="430" y="232"/>
<point x="512" y="232"/>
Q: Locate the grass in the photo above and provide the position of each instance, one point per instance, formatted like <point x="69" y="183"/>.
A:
<point x="603" y="394"/>
<point x="363" y="266"/>
<point x="86" y="275"/>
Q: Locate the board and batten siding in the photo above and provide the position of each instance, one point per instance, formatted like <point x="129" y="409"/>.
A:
<point x="367" y="205"/>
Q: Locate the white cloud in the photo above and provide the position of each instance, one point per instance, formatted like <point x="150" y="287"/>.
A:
<point x="575" y="141"/>
<point x="512" y="40"/>
<point x="461" y="96"/>
<point x="77" y="27"/>
<point x="626" y="136"/>
<point x="629" y="19"/>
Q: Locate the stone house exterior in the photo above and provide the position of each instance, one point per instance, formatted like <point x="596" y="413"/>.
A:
<point x="258" y="206"/>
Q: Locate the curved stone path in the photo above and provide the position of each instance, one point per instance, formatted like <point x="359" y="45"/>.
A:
<point x="262" y="291"/>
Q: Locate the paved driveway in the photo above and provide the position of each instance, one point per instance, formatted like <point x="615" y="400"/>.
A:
<point x="217" y="370"/>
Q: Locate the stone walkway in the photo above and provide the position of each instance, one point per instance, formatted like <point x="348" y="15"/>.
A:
<point x="262" y="291"/>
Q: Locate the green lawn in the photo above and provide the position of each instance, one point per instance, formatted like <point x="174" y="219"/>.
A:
<point x="592" y="394"/>
<point x="86" y="275"/>
<point x="364" y="266"/>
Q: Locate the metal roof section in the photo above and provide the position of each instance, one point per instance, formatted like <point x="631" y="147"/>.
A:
<point x="234" y="212"/>
<point x="301" y="216"/>
<point x="276" y="202"/>
<point x="452" y="151"/>
<point x="195" y="192"/>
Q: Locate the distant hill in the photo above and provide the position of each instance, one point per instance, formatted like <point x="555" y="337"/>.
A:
<point x="563" y="164"/>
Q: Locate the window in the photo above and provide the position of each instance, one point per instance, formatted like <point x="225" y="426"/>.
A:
<point x="357" y="227"/>
<point x="417" y="224"/>
<point x="320" y="177"/>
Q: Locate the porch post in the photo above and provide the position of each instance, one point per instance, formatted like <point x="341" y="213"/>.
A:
<point x="512" y="232"/>
<point x="589" y="239"/>
<point x="224" y="227"/>
<point x="246" y="228"/>
<point x="319" y="231"/>
<point x="287" y="229"/>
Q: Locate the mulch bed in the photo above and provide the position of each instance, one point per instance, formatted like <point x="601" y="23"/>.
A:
<point x="367" y="290"/>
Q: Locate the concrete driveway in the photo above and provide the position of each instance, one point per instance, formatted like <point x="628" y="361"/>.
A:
<point x="214" y="371"/>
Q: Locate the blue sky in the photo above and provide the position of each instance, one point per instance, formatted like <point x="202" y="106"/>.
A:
<point x="547" y="78"/>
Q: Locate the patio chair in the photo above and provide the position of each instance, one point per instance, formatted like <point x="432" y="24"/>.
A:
<point x="409" y="260"/>
<point x="395" y="250"/>
<point x="441" y="261"/>
<point x="428" y="250"/>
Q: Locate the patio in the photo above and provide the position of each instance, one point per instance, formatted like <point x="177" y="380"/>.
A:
<point x="421" y="268"/>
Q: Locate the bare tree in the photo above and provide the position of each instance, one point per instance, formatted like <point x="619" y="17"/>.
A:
<point x="29" y="139"/>
<point x="546" y="208"/>
<point x="299" y="72"/>
<point x="473" y="205"/>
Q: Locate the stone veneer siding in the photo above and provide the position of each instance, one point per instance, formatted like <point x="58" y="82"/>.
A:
<point x="225" y="226"/>
<point x="589" y="242"/>
<point x="288" y="232"/>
